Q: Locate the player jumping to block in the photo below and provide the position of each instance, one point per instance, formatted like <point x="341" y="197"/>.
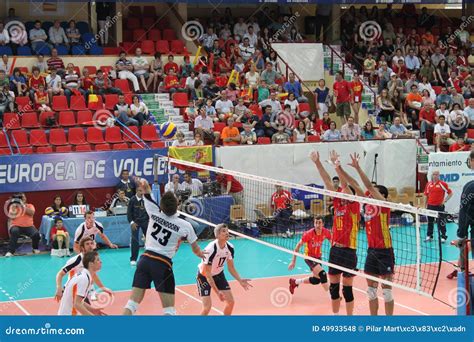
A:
<point x="313" y="240"/>
<point x="165" y="230"/>
<point x="344" y="241"/>
<point x="78" y="287"/>
<point x="211" y="272"/>
<point x="380" y="261"/>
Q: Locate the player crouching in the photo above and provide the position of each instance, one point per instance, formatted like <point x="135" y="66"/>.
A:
<point x="313" y="239"/>
<point x="211" y="272"/>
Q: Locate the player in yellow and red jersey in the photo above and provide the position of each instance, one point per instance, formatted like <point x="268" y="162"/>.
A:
<point x="380" y="261"/>
<point x="313" y="240"/>
<point x="344" y="241"/>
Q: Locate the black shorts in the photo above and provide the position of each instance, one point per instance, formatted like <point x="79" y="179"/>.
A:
<point x="345" y="257"/>
<point x="380" y="261"/>
<point x="204" y="288"/>
<point x="311" y="264"/>
<point x="156" y="268"/>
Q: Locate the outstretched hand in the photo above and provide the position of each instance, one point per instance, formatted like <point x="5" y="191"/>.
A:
<point x="354" y="160"/>
<point x="315" y="156"/>
<point x="334" y="158"/>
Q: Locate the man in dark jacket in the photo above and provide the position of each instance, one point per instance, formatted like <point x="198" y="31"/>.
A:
<point x="126" y="184"/>
<point x="138" y="218"/>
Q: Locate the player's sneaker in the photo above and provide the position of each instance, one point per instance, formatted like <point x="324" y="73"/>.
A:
<point x="8" y="255"/>
<point x="444" y="238"/>
<point x="293" y="285"/>
<point x="36" y="251"/>
<point x="428" y="239"/>
<point x="453" y="274"/>
<point x="133" y="263"/>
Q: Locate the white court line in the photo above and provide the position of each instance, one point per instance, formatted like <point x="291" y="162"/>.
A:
<point x="14" y="301"/>
<point x="198" y="300"/>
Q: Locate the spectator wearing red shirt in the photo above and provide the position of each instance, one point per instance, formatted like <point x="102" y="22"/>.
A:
<point x="437" y="193"/>
<point x="170" y="65"/>
<point x="427" y="119"/>
<point x="171" y="82"/>
<point x="60" y="237"/>
<point x="34" y="81"/>
<point x="231" y="186"/>
<point x="281" y="203"/>
<point x="401" y="70"/>
<point x="459" y="146"/>
<point x="343" y="93"/>
<point x="357" y="89"/>
<point x="87" y="83"/>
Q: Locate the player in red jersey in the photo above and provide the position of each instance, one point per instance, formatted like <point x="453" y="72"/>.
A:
<point x="380" y="261"/>
<point x="344" y="241"/>
<point x="313" y="240"/>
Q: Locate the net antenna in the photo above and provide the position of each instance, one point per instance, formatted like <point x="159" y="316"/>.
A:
<point x="418" y="272"/>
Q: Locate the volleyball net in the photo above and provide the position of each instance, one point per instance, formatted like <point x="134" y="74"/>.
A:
<point x="276" y="213"/>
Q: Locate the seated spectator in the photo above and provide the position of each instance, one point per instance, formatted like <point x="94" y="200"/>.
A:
<point x="263" y="128"/>
<point x="459" y="126"/>
<point x="252" y="77"/>
<point x="4" y="79"/>
<point x="72" y="33"/>
<point x="197" y="140"/>
<point x="86" y="84"/>
<point x="171" y="82"/>
<point x="6" y="64"/>
<point x="395" y="84"/>
<point x="37" y="36"/>
<point x="456" y="98"/>
<point x="232" y="93"/>
<point x="60" y="239"/>
<point x="179" y="141"/>
<point x="385" y="106"/>
<point x="437" y="56"/>
<point x="124" y="69"/>
<point x="281" y="137"/>
<point x="190" y="111"/>
<point x="57" y="36"/>
<point x="382" y="132"/>
<point x="427" y="119"/>
<point x="58" y="208"/>
<point x="80" y="199"/>
<point x="141" y="69"/>
<point x="246" y="116"/>
<point x="4" y="36"/>
<point x="412" y="62"/>
<point x="42" y="100"/>
<point x="368" y="131"/>
<point x="263" y="92"/>
<point x="224" y="107"/>
<point x="239" y="65"/>
<point x="174" y="185"/>
<point x="442" y="133"/>
<point x="294" y="106"/>
<point x="193" y="184"/>
<point x="71" y="83"/>
<point x="246" y="50"/>
<point x="454" y="113"/>
<point x="469" y="112"/>
<point x="120" y="200"/>
<point x="204" y="76"/>
<point x="41" y="65"/>
<point x="211" y="90"/>
<point x="269" y="75"/>
<point x="56" y="62"/>
<point x="186" y="67"/>
<point x="273" y="103"/>
<point x="170" y="65"/>
<point x="102" y="84"/>
<point x="332" y="134"/>
<point x="156" y="69"/>
<point x="413" y="105"/>
<point x="299" y="133"/>
<point x="350" y="131"/>
<point x="223" y="63"/>
<point x="18" y="83"/>
<point x="397" y="130"/>
<point x="369" y="68"/>
<point x="294" y="86"/>
<point x="20" y="223"/>
<point x="123" y="113"/>
<point x="34" y="81"/>
<point x="5" y="103"/>
<point x="459" y="146"/>
<point x="139" y="111"/>
<point x="444" y="97"/>
<point x="204" y="125"/>
<point x="426" y="98"/>
<point x="54" y="84"/>
<point x="247" y="136"/>
<point x="230" y="134"/>
<point x="207" y="39"/>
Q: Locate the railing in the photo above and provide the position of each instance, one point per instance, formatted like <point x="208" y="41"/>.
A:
<point x="8" y="140"/>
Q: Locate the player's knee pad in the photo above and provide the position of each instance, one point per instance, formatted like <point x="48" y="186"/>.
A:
<point x="323" y="277"/>
<point x="372" y="293"/>
<point x="169" y="311"/>
<point x="387" y="295"/>
<point x="334" y="291"/>
<point x="347" y="293"/>
<point x="314" y="280"/>
<point x="132" y="306"/>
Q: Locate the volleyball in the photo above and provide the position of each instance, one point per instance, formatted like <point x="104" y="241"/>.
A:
<point x="49" y="211"/>
<point x="168" y="130"/>
<point x="63" y="211"/>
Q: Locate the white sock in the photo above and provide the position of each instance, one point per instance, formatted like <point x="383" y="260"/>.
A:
<point x="300" y="281"/>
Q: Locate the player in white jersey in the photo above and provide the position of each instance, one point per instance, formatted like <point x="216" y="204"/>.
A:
<point x="211" y="272"/>
<point x="165" y="230"/>
<point x="90" y="227"/>
<point x="78" y="287"/>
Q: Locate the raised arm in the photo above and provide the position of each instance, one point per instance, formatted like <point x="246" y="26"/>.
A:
<point x="343" y="175"/>
<point x="322" y="171"/>
<point x="365" y="180"/>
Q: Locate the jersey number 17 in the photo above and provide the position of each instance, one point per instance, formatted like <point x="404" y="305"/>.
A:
<point x="166" y="234"/>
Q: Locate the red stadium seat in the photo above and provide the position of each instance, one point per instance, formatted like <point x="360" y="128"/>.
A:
<point x="162" y="46"/>
<point x="84" y="118"/>
<point x="76" y="136"/>
<point x="24" y="70"/>
<point x="138" y="146"/>
<point x="158" y="144"/>
<point x="29" y="120"/>
<point x="264" y="141"/>
<point x="470" y="133"/>
<point x="11" y="121"/>
<point x="19" y="138"/>
<point x="149" y="133"/>
<point x="177" y="47"/>
<point x="84" y="148"/>
<point x="95" y="135"/>
<point x="67" y="119"/>
<point x="77" y="70"/>
<point x="132" y="23"/>
<point x="99" y="104"/>
<point x="148" y="47"/>
<point x="148" y="22"/>
<point x="44" y="149"/>
<point x="437" y="89"/>
<point x="163" y="24"/>
<point x="168" y="34"/>
<point x="57" y="137"/>
<point x="110" y="101"/>
<point x="180" y="99"/>
<point x="44" y="116"/>
<point x="122" y="85"/>
<point x="5" y="151"/>
<point x="113" y="135"/>
<point x="92" y="69"/>
<point x="3" y="140"/>
<point x="314" y="138"/>
<point x="24" y="104"/>
<point x="78" y="102"/>
<point x="63" y="149"/>
<point x="25" y="150"/>
<point x="154" y="35"/>
<point x="60" y="103"/>
<point x="219" y="126"/>
<point x="38" y="138"/>
<point x="122" y="146"/>
<point x="106" y="68"/>
<point x="304" y="107"/>
<point x="139" y="35"/>
<point x="102" y="147"/>
<point x="256" y="109"/>
<point x="131" y="134"/>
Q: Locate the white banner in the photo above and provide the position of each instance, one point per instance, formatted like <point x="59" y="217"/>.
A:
<point x="306" y="59"/>
<point x="396" y="161"/>
<point x="455" y="170"/>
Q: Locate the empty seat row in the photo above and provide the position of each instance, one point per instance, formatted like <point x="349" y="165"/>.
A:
<point x="150" y="46"/>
